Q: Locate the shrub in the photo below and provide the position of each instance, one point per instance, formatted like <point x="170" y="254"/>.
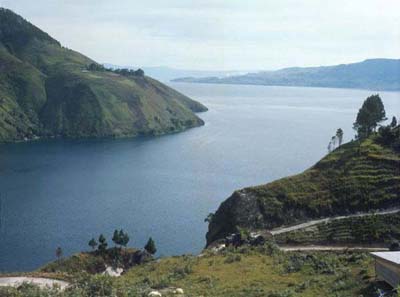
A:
<point x="180" y="272"/>
<point x="93" y="285"/>
<point x="231" y="258"/>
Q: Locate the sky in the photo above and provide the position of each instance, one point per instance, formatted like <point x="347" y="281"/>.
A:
<point x="220" y="34"/>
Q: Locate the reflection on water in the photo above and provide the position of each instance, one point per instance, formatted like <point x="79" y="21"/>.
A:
<point x="62" y="193"/>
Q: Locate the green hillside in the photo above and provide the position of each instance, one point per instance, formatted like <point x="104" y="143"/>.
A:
<point x="46" y="90"/>
<point x="263" y="271"/>
<point x="359" y="176"/>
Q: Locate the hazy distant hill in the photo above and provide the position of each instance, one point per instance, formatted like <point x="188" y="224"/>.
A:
<point x="167" y="74"/>
<point x="47" y="90"/>
<point x="374" y="74"/>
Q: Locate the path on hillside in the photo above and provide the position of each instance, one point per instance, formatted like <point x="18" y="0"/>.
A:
<point x="281" y="230"/>
<point x="39" y="281"/>
<point x="299" y="248"/>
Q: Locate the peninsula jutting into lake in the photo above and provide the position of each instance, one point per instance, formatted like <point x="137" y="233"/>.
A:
<point x="120" y="178"/>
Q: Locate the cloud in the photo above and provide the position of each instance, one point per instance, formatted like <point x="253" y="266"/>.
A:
<point x="219" y="34"/>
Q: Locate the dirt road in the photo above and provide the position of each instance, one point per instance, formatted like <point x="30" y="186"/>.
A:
<point x="41" y="282"/>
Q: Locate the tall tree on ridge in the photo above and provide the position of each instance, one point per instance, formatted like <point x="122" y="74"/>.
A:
<point x="369" y="116"/>
<point x="339" y="135"/>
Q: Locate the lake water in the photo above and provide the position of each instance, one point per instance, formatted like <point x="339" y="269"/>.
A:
<point x="62" y="193"/>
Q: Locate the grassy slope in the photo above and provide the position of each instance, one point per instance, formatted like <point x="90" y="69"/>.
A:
<point x="355" y="177"/>
<point x="245" y="271"/>
<point x="256" y="272"/>
<point x="46" y="92"/>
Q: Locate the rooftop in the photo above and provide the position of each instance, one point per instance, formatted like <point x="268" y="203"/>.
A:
<point x="393" y="257"/>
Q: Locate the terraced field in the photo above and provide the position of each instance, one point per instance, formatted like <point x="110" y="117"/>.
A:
<point x="360" y="176"/>
<point x="369" y="229"/>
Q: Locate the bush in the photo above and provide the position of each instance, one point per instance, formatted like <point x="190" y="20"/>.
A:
<point x="96" y="285"/>
<point x="232" y="258"/>
<point x="321" y="264"/>
<point x="181" y="272"/>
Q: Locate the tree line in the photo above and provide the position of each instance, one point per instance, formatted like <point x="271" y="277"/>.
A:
<point x="120" y="239"/>
<point x="122" y="71"/>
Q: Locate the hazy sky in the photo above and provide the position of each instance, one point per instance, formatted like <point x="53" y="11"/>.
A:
<point x="220" y="34"/>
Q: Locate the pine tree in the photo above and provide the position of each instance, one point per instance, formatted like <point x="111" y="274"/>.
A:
<point x="150" y="246"/>
<point x="116" y="237"/>
<point x="120" y="238"/>
<point x="393" y="124"/>
<point x="330" y="147"/>
<point x="93" y="243"/>
<point x="124" y="238"/>
<point x="102" y="244"/>
<point x="339" y="135"/>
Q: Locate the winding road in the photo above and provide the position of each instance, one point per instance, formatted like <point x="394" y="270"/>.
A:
<point x="281" y="230"/>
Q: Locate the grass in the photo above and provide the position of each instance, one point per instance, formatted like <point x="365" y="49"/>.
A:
<point x="245" y="271"/>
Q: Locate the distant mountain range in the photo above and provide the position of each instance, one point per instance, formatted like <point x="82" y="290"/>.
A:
<point x="47" y="91"/>
<point x="373" y="74"/>
<point x="166" y="74"/>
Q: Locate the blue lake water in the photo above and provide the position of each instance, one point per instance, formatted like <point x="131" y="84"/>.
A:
<point x="62" y="193"/>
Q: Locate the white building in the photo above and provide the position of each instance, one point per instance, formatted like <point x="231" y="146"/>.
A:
<point x="387" y="267"/>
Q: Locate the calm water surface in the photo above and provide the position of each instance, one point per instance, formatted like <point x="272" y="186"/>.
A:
<point x="62" y="193"/>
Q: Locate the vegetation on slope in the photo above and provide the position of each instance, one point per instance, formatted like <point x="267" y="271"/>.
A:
<point x="372" y="229"/>
<point x="245" y="271"/>
<point x="47" y="90"/>
<point x="358" y="176"/>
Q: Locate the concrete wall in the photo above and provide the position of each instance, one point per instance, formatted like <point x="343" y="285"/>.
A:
<point x="388" y="272"/>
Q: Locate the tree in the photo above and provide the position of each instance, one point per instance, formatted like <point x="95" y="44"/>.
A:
<point x="333" y="139"/>
<point x="139" y="72"/>
<point x="59" y="253"/>
<point x="116" y="238"/>
<point x="393" y="124"/>
<point x="339" y="136"/>
<point x="92" y="243"/>
<point x="120" y="238"/>
<point x="330" y="146"/>
<point x="124" y="238"/>
<point x="95" y="67"/>
<point x="371" y="113"/>
<point x="102" y="244"/>
<point x="150" y="246"/>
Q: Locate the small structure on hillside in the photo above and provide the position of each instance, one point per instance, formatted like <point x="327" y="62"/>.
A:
<point x="387" y="267"/>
